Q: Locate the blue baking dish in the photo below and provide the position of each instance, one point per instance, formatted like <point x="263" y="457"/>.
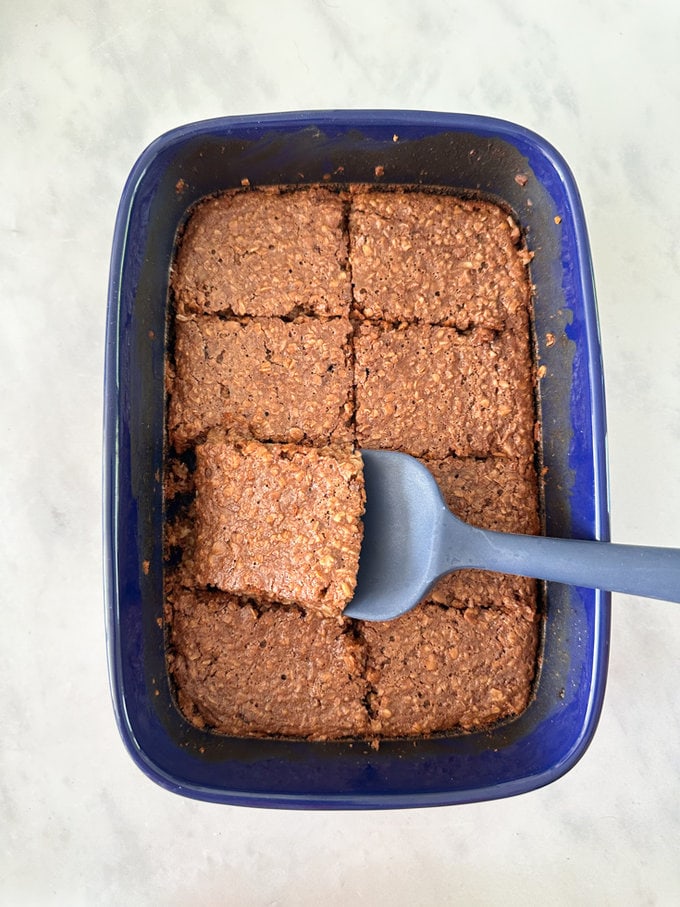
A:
<point x="472" y="155"/>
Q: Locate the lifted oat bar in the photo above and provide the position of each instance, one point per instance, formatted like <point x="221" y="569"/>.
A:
<point x="279" y="522"/>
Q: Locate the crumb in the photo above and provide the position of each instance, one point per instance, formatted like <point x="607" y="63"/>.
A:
<point x="245" y="182"/>
<point x="395" y="138"/>
<point x="521" y="179"/>
<point x="146" y="565"/>
<point x="380" y="170"/>
<point x="549" y="339"/>
<point x="557" y="219"/>
<point x="180" y="186"/>
<point x="542" y="371"/>
<point x="152" y="335"/>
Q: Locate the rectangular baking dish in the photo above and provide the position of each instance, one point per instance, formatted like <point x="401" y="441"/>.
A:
<point x="472" y="155"/>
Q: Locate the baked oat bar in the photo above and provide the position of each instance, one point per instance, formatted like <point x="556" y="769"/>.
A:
<point x="270" y="388"/>
<point x="432" y="391"/>
<point x="435" y="669"/>
<point x="435" y="259"/>
<point x="495" y="493"/>
<point x="266" y="378"/>
<point x="279" y="522"/>
<point x="278" y="672"/>
<point x="269" y="252"/>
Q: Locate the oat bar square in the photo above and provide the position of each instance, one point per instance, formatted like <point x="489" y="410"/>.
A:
<point x="435" y="669"/>
<point x="277" y="672"/>
<point x="265" y="378"/>
<point x="435" y="259"/>
<point x="269" y="252"/>
<point x="432" y="391"/>
<point x="495" y="493"/>
<point x="279" y="522"/>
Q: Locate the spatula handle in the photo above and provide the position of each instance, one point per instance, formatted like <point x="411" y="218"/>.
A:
<point x="632" y="569"/>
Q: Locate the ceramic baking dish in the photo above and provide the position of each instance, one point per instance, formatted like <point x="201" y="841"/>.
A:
<point x="471" y="154"/>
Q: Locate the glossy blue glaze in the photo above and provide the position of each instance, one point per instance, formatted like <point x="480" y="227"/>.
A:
<point x="469" y="153"/>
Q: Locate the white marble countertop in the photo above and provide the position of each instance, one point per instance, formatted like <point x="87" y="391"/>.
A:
<point x="84" y="88"/>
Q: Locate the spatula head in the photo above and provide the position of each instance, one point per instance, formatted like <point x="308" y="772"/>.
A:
<point x="404" y="510"/>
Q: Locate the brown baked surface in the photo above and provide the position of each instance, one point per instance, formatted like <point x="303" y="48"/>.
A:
<point x="431" y="391"/>
<point x="498" y="494"/>
<point x="276" y="672"/>
<point x="270" y="379"/>
<point x="266" y="253"/>
<point x="435" y="259"/>
<point x="435" y="668"/>
<point x="279" y="522"/>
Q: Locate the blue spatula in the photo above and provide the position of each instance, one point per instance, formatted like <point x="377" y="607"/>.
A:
<point x="411" y="539"/>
